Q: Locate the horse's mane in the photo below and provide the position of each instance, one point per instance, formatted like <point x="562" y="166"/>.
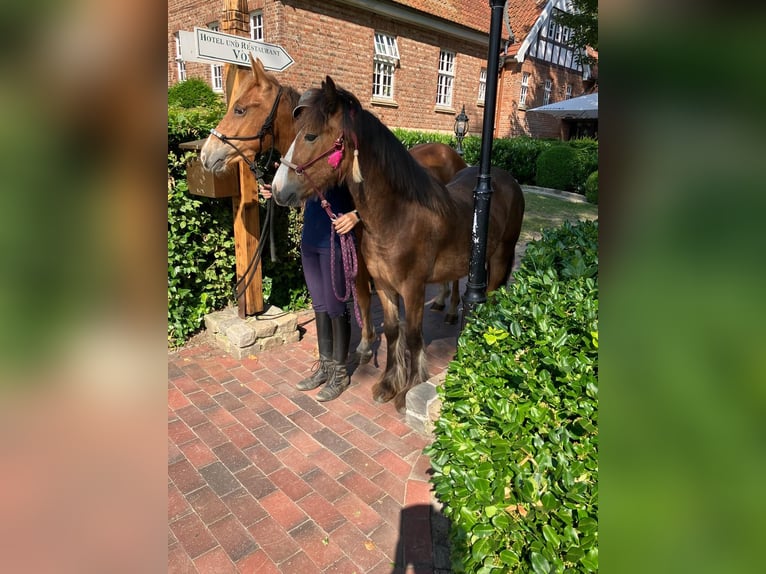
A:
<point x="292" y="95"/>
<point x="374" y="139"/>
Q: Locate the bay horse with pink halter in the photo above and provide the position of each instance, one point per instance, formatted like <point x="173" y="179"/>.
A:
<point x="260" y="116"/>
<point x="417" y="230"/>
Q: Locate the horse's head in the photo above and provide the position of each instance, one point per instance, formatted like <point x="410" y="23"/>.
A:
<point x="323" y="151"/>
<point x="252" y="106"/>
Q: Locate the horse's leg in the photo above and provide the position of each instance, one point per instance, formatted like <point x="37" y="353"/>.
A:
<point x="500" y="265"/>
<point x="451" y="317"/>
<point x="438" y="304"/>
<point x="395" y="374"/>
<point x="364" y="300"/>
<point x="414" y="297"/>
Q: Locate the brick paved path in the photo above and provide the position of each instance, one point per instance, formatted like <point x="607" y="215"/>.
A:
<point x="263" y="478"/>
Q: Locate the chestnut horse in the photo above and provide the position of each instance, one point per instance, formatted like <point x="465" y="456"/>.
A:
<point x="260" y="116"/>
<point x="417" y="230"/>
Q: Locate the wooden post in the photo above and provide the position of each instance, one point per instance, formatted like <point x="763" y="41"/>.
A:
<point x="247" y="227"/>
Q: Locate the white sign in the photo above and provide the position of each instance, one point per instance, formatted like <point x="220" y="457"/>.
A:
<point x="208" y="46"/>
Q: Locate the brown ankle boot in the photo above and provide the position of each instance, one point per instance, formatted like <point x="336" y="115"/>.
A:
<point x="338" y="381"/>
<point x="319" y="376"/>
<point x="324" y="342"/>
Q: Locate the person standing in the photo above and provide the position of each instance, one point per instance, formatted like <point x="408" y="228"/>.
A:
<point x="333" y="324"/>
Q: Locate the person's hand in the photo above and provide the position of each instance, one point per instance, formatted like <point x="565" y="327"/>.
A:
<point x="346" y="222"/>
<point x="265" y="190"/>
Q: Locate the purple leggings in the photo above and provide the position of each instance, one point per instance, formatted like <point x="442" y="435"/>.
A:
<point x="317" y="272"/>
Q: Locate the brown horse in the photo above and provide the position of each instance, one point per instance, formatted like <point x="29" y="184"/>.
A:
<point x="417" y="230"/>
<point x="260" y="116"/>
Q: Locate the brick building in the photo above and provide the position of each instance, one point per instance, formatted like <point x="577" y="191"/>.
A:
<point x="413" y="63"/>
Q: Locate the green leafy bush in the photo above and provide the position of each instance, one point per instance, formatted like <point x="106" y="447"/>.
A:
<point x="192" y="93"/>
<point x="201" y="263"/>
<point x="556" y="168"/>
<point x="515" y="455"/>
<point x="591" y="187"/>
<point x="189" y="124"/>
<point x="412" y="138"/>
<point x="517" y="155"/>
<point x="587" y="161"/>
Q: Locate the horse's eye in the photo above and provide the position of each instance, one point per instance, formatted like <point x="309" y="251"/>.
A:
<point x="239" y="111"/>
<point x="310" y="137"/>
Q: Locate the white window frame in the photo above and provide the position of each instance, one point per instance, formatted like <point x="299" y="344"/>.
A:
<point x="446" y="80"/>
<point x="256" y="25"/>
<point x="482" y="85"/>
<point x="568" y="92"/>
<point x="385" y="59"/>
<point x="181" y="69"/>
<point x="216" y="70"/>
<point x="386" y="48"/>
<point x="524" y="89"/>
<point x="547" y="92"/>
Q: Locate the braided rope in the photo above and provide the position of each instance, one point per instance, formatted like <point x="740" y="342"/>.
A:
<point x="350" y="268"/>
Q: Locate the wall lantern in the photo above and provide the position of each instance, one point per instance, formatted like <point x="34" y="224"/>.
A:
<point x="461" y="129"/>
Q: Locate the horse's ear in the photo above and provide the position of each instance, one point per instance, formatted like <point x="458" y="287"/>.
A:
<point x="330" y="93"/>
<point x="258" y="70"/>
<point x="235" y="77"/>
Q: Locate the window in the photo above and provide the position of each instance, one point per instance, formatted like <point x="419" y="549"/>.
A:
<point x="216" y="70"/>
<point x="179" y="60"/>
<point x="446" y="78"/>
<point x="547" y="93"/>
<point x="384" y="61"/>
<point x="482" y="85"/>
<point x="556" y="31"/>
<point x="524" y="87"/>
<point x="568" y="93"/>
<point x="551" y="28"/>
<point x="256" y="25"/>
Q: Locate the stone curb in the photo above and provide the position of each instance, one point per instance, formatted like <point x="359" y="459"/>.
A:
<point x="424" y="405"/>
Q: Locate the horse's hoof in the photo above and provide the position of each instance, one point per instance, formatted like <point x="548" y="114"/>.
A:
<point x="380" y="394"/>
<point x="437" y="306"/>
<point x="450" y="319"/>
<point x="364" y="356"/>
<point x="400" y="402"/>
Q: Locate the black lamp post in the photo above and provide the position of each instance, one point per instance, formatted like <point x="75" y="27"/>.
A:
<point x="461" y="129"/>
<point x="476" y="287"/>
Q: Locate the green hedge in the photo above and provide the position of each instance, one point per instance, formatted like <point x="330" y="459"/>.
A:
<point x="193" y="93"/>
<point x="517" y="155"/>
<point x="556" y="168"/>
<point x="201" y="259"/>
<point x="591" y="187"/>
<point x="412" y="138"/>
<point x="515" y="455"/>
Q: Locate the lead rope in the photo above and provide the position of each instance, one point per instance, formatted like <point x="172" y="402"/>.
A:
<point x="350" y="269"/>
<point x="348" y="258"/>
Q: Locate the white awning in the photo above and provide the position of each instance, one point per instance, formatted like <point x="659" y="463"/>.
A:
<point x="580" y="108"/>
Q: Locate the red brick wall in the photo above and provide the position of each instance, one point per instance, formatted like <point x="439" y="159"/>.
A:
<point x="338" y="41"/>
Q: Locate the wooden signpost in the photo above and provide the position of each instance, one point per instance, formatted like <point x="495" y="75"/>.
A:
<point x="232" y="50"/>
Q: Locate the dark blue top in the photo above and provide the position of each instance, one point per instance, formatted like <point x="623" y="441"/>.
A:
<point x="316" y="221"/>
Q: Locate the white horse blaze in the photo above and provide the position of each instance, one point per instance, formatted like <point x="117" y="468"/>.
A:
<point x="280" y="178"/>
